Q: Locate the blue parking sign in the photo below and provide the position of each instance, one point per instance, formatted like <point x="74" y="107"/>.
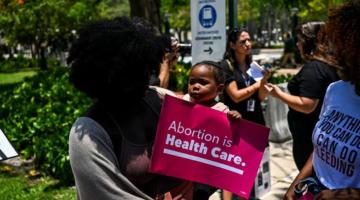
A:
<point x="207" y="16"/>
<point x="208" y="30"/>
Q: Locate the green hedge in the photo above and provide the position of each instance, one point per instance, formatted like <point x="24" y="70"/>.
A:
<point x="18" y="63"/>
<point x="37" y="115"/>
<point x="280" y="78"/>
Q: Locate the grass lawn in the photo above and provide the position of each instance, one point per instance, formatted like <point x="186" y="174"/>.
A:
<point x="14" y="77"/>
<point x="20" y="187"/>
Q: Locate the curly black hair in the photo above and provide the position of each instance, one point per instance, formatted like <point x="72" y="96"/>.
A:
<point x="307" y="34"/>
<point x="343" y="28"/>
<point x="324" y="50"/>
<point x="113" y="58"/>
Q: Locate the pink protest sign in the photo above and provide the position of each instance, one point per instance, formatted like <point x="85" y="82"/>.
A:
<point x="200" y="144"/>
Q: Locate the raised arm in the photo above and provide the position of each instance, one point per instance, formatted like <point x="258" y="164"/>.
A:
<point x="237" y="94"/>
<point x="306" y="171"/>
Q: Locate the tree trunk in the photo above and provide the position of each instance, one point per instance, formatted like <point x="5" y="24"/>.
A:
<point x="40" y="55"/>
<point x="147" y="9"/>
<point x="42" y="59"/>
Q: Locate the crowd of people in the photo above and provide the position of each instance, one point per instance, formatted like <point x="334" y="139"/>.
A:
<point x="114" y="61"/>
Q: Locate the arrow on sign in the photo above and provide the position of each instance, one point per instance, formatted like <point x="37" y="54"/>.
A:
<point x="210" y="50"/>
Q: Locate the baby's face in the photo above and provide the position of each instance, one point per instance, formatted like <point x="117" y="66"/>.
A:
<point x="202" y="86"/>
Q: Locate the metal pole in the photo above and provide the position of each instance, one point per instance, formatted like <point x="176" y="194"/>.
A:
<point x="233" y="14"/>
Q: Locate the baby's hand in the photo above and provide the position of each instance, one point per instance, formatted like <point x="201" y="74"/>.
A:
<point x="233" y="115"/>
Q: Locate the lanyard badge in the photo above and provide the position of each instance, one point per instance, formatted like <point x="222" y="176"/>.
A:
<point x="250" y="105"/>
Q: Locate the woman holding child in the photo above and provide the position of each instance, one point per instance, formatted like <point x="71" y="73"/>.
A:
<point x="110" y="146"/>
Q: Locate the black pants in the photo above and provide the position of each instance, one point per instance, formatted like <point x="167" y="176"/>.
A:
<point x="302" y="141"/>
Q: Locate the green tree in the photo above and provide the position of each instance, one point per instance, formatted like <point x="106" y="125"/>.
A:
<point x="113" y="8"/>
<point x="147" y="9"/>
<point x="316" y="9"/>
<point x="39" y="24"/>
<point x="269" y="15"/>
<point x="44" y="25"/>
<point x="178" y="13"/>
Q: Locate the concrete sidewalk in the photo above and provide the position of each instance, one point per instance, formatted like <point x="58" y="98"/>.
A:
<point x="282" y="170"/>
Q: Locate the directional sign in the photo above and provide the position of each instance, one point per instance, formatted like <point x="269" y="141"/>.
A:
<point x="6" y="149"/>
<point x="208" y="29"/>
<point x="210" y="50"/>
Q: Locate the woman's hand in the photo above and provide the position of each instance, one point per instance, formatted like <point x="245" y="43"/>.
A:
<point x="266" y="75"/>
<point x="305" y="172"/>
<point x="290" y="194"/>
<point x="274" y="90"/>
<point x="233" y="115"/>
<point x="173" y="55"/>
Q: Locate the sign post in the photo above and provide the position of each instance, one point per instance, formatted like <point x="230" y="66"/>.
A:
<point x="208" y="29"/>
<point x="232" y="14"/>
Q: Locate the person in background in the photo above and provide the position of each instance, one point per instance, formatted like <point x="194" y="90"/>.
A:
<point x="334" y="173"/>
<point x="307" y="89"/>
<point x="242" y="93"/>
<point x="289" y="48"/>
<point x="110" y="145"/>
<point x="160" y="76"/>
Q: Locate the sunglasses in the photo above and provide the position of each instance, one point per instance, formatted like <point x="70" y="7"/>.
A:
<point x="311" y="29"/>
<point x="243" y="42"/>
<point x="234" y="34"/>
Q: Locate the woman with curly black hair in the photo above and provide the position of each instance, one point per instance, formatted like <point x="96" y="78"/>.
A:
<point x="307" y="89"/>
<point x="333" y="169"/>
<point x="110" y="145"/>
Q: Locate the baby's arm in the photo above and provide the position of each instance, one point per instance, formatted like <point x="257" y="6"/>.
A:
<point x="163" y="91"/>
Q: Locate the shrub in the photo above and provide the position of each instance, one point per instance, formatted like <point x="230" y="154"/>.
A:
<point x="37" y="115"/>
<point x="280" y="78"/>
<point x="16" y="63"/>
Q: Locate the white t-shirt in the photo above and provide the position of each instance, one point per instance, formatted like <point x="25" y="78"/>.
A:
<point x="336" y="138"/>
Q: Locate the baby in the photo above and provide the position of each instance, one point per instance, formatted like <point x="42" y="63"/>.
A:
<point x="206" y="82"/>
